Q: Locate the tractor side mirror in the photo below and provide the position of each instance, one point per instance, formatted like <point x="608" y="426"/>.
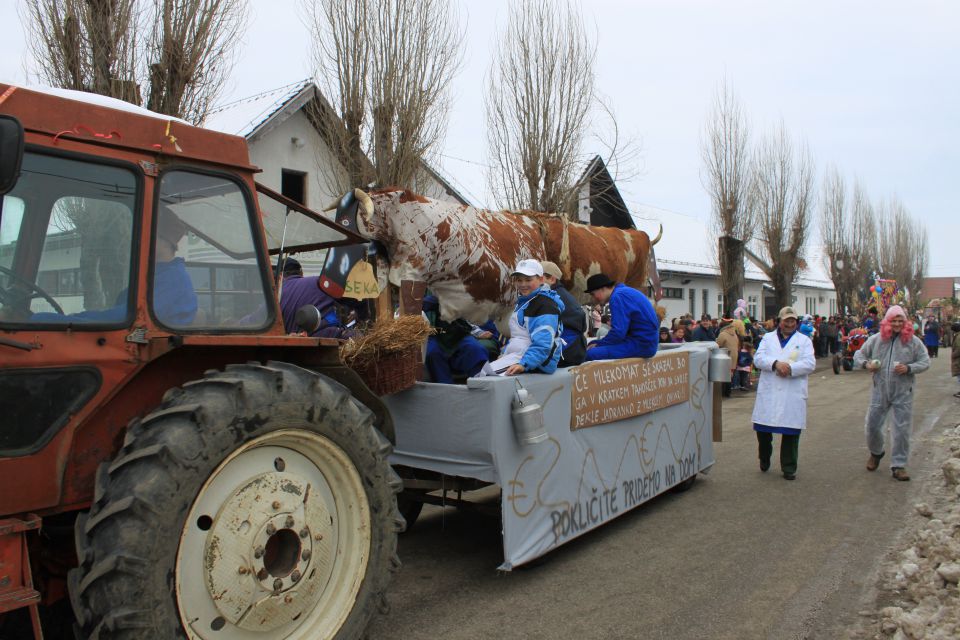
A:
<point x="11" y="152"/>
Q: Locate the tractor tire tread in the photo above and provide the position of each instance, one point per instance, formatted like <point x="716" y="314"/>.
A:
<point x="127" y="543"/>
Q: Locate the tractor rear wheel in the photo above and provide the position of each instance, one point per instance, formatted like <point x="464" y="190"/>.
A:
<point x="255" y="503"/>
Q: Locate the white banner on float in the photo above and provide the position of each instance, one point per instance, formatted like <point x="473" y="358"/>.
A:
<point x="620" y="432"/>
<point x="649" y="429"/>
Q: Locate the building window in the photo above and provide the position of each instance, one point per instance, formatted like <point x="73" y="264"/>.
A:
<point x="293" y="184"/>
<point x="811" y="305"/>
<point x="706" y="300"/>
<point x="833" y="306"/>
<point x="672" y="293"/>
<point x="752" y="306"/>
<point x="693" y="302"/>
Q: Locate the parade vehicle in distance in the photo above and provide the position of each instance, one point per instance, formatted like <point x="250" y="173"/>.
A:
<point x="849" y="346"/>
<point x="173" y="464"/>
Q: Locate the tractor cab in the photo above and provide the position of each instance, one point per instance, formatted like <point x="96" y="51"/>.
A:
<point x="72" y="232"/>
<point x="147" y="385"/>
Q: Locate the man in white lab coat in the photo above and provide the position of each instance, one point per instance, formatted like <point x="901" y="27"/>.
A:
<point x="785" y="360"/>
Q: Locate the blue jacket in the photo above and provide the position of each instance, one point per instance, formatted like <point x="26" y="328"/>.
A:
<point x="931" y="334"/>
<point x="574" y="327"/>
<point x="174" y="300"/>
<point x="539" y="314"/>
<point x="633" y="321"/>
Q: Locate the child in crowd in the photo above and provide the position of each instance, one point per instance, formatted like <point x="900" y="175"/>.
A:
<point x="744" y="365"/>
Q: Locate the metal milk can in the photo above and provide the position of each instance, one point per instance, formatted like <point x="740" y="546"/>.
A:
<point x="527" y="418"/>
<point x="719" y="368"/>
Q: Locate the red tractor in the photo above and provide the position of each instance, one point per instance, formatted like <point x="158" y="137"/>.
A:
<point x="172" y="463"/>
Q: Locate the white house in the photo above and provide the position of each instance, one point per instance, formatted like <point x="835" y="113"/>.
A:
<point x="294" y="157"/>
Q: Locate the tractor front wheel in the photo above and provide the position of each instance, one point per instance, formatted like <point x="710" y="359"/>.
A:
<point x="256" y="503"/>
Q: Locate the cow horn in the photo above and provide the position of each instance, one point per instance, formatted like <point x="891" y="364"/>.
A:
<point x="659" y="235"/>
<point x="361" y="196"/>
<point x="365" y="201"/>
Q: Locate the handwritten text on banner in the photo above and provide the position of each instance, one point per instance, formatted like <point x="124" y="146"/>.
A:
<point x="608" y="391"/>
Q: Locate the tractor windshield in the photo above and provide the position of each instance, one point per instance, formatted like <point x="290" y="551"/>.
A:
<point x="65" y="244"/>
<point x="205" y="272"/>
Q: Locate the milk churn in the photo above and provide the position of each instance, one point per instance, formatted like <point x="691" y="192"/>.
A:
<point x="719" y="367"/>
<point x="527" y="418"/>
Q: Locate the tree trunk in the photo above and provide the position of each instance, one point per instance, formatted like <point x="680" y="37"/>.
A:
<point x="731" y="271"/>
<point x="782" y="291"/>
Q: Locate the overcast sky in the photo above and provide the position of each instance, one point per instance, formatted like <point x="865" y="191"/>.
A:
<point x="872" y="86"/>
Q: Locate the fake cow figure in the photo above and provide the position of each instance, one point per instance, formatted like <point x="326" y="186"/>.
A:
<point x="466" y="255"/>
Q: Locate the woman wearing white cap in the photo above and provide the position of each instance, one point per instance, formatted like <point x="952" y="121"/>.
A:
<point x="534" y="323"/>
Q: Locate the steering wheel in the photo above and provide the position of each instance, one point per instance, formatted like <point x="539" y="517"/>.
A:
<point x="9" y="296"/>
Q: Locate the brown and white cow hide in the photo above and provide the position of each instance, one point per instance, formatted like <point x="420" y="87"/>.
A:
<point x="466" y="255"/>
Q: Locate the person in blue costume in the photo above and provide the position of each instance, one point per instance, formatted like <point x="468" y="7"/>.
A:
<point x="452" y="350"/>
<point x="535" y="326"/>
<point x="174" y="299"/>
<point x="634" y="325"/>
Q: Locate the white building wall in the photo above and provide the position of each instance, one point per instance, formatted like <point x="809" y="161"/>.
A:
<point x="692" y="290"/>
<point x="820" y="302"/>
<point x="752" y="295"/>
<point x="295" y="145"/>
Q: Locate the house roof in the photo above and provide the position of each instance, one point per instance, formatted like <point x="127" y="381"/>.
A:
<point x="258" y="114"/>
<point x="607" y="208"/>
<point x="688" y="246"/>
<point x="248" y="116"/>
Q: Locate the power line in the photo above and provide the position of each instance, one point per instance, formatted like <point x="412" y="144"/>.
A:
<point x="479" y="164"/>
<point x="257" y="96"/>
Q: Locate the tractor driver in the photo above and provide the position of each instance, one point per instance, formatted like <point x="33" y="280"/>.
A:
<point x="174" y="299"/>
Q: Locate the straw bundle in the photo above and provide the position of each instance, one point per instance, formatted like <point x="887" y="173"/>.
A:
<point x="388" y="337"/>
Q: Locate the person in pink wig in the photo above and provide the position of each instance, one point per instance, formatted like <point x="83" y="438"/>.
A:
<point x="894" y="355"/>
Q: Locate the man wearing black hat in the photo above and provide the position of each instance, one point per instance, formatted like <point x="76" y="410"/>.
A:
<point x="634" y="325"/>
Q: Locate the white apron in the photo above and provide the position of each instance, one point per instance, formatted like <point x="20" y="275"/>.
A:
<point x="782" y="402"/>
<point x="519" y="337"/>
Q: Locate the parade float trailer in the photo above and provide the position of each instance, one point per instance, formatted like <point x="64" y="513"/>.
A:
<point x="604" y="438"/>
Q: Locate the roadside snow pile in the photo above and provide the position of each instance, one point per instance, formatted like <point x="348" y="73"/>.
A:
<point x="928" y="571"/>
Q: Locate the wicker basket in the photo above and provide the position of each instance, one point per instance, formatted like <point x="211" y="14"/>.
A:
<point x="392" y="372"/>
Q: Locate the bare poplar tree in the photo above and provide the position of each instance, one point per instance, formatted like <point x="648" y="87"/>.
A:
<point x="921" y="257"/>
<point x="894" y="240"/>
<point x="386" y="67"/>
<point x="862" y="240"/>
<point x="782" y="195"/>
<point x="725" y="150"/>
<point x="86" y="45"/>
<point x="99" y="46"/>
<point x="903" y="247"/>
<point x="540" y="93"/>
<point x="835" y="220"/>
<point x="188" y="54"/>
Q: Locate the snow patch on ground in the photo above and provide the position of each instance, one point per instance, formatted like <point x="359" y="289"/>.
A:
<point x="921" y="580"/>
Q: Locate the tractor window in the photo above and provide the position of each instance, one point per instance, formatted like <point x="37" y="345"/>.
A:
<point x="205" y="271"/>
<point x="65" y="244"/>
